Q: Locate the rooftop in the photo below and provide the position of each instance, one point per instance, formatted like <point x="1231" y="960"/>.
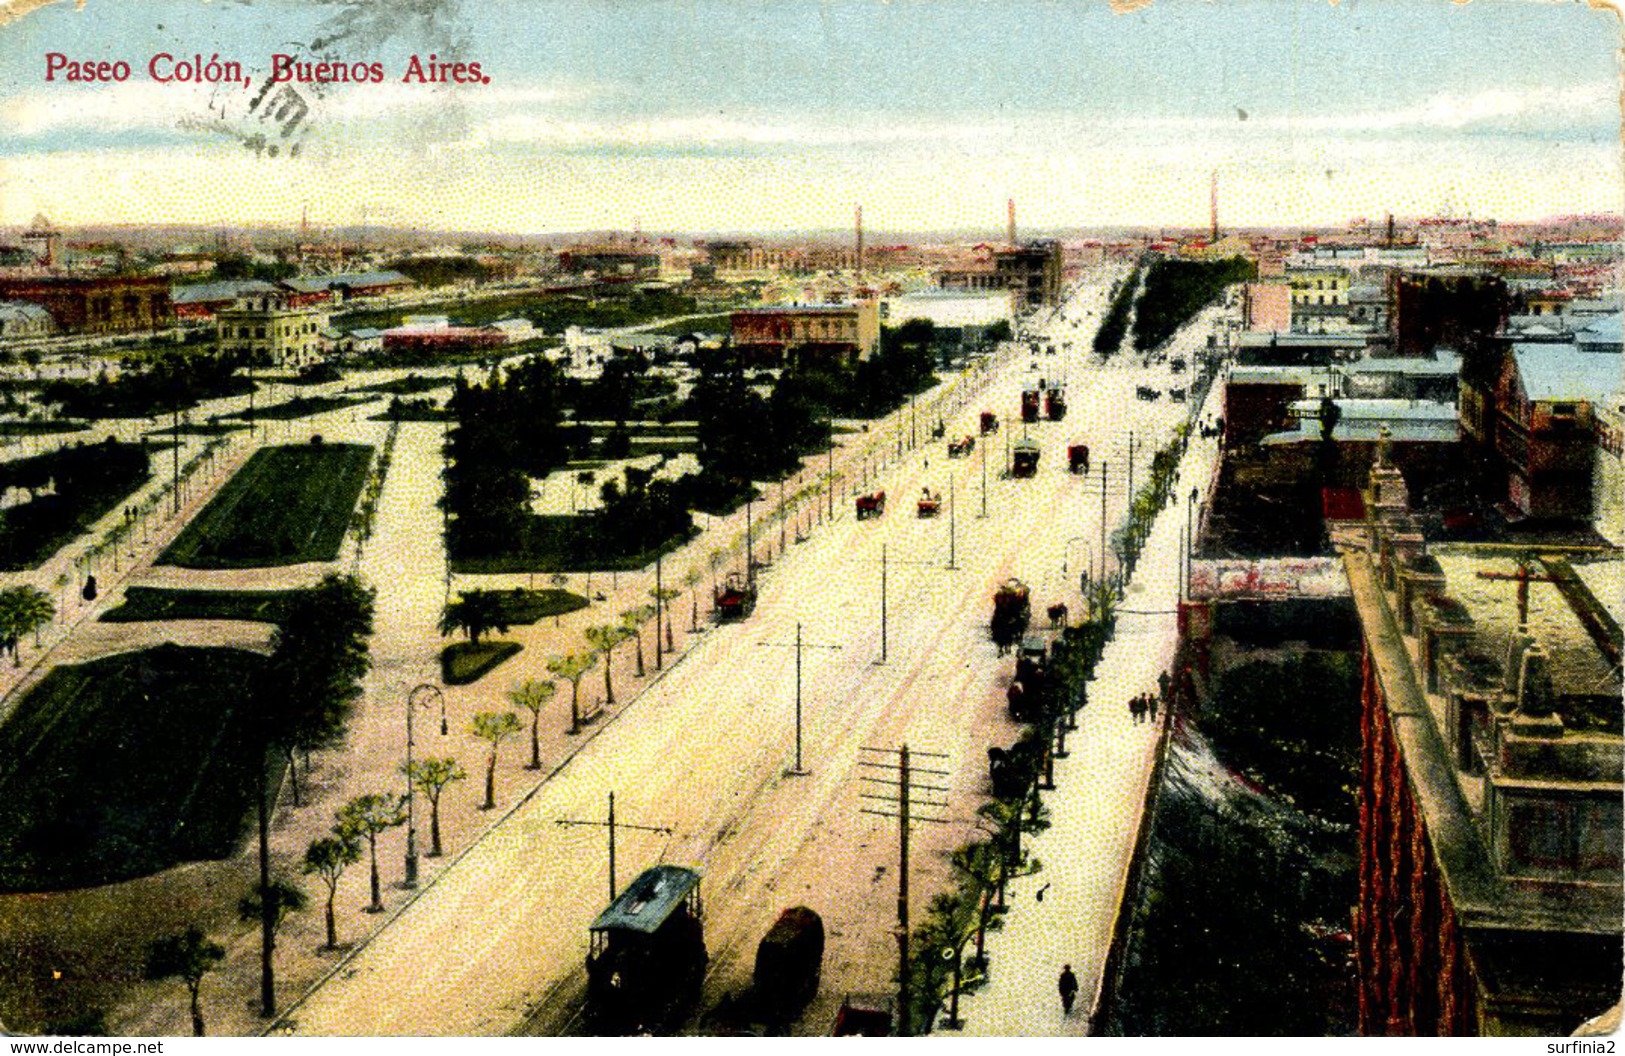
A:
<point x="647" y="901"/>
<point x="1563" y="372"/>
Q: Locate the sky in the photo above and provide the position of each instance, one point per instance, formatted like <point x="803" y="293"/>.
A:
<point x="782" y="115"/>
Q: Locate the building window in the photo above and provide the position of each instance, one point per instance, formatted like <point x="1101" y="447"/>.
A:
<point x="1539" y="835"/>
<point x="259" y="331"/>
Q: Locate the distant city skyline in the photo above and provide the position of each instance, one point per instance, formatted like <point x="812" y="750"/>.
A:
<point x="781" y="117"/>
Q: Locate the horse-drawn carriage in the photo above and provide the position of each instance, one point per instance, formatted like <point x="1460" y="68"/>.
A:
<point x="962" y="447"/>
<point x="871" y="505"/>
<point x="930" y="503"/>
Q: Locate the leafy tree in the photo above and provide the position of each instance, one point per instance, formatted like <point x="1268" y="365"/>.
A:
<point x="691" y="580"/>
<point x="603" y="639"/>
<point x="983" y="868"/>
<point x="189" y="955"/>
<point x="571" y="667"/>
<point x="663" y="599"/>
<point x="311" y="682"/>
<point x="368" y="815"/>
<point x="23" y="610"/>
<point x="632" y="621"/>
<point x="431" y="777"/>
<point x="1006" y="821"/>
<point x="327" y="857"/>
<point x="495" y="727"/>
<point x="474" y="613"/>
<point x="272" y="901"/>
<point x="533" y="695"/>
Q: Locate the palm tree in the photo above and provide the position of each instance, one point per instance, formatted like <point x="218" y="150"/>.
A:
<point x="474" y="612"/>
<point x="431" y="776"/>
<point x="662" y="600"/>
<point x="691" y="580"/>
<point x="632" y="621"/>
<point x="496" y="727"/>
<point x="571" y="667"/>
<point x="603" y="639"/>
<point x="189" y="955"/>
<point x="328" y="857"/>
<point x="533" y="695"/>
<point x="369" y="815"/>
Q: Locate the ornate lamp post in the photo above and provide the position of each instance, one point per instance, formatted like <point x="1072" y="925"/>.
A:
<point x="423" y="695"/>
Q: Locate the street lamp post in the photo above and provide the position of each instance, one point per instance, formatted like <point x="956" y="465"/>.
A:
<point x="422" y="695"/>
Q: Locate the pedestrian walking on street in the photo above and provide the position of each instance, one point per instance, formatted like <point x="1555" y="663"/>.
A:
<point x="1151" y="706"/>
<point x="1068" y="986"/>
<point x="1163" y="685"/>
<point x="1136" y="707"/>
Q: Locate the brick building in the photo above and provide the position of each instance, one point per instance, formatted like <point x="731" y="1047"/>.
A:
<point x="101" y="304"/>
<point x="1490" y="798"/>
<point x="839" y="333"/>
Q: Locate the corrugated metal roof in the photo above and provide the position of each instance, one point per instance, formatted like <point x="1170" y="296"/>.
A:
<point x="648" y="900"/>
<point x="1563" y="372"/>
<point x="223" y="290"/>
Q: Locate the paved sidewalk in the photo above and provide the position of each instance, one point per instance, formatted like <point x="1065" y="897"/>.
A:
<point x="1096" y="808"/>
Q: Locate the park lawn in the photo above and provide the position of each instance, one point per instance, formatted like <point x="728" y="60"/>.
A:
<point x="42" y="428"/>
<point x="462" y="663"/>
<point x="411" y="385"/>
<point x="301" y="407"/>
<point x="90" y="482"/>
<point x="288" y="505"/>
<point x="563" y="543"/>
<point x="126" y="765"/>
<point x="521" y="606"/>
<point x="143" y="604"/>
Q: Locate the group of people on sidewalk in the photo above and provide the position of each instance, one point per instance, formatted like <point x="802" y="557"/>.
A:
<point x="1144" y="705"/>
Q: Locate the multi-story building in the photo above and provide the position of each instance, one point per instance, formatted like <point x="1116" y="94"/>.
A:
<point x="1032" y="271"/>
<point x="837" y="333"/>
<point x="1267" y="306"/>
<point x="610" y="261"/>
<point x="1543" y="432"/>
<point x="1318" y="293"/>
<point x="269" y="329"/>
<point x="1490" y="795"/>
<point x="97" y="304"/>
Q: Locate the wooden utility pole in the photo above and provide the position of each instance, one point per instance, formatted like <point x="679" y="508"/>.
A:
<point x="902" y="803"/>
<point x="798" y="645"/>
<point x="611" y="824"/>
<point x="984" y="477"/>
<point x="1102" y="522"/>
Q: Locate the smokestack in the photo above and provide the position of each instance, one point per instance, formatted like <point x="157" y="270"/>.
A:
<point x="860" y="241"/>
<point x="1011" y="236"/>
<point x="1213" y="207"/>
<point x="1390" y="230"/>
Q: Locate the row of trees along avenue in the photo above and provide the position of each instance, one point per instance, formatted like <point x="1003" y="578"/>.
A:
<point x="513" y="428"/>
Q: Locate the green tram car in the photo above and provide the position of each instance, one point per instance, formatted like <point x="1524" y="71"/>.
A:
<point x="647" y="958"/>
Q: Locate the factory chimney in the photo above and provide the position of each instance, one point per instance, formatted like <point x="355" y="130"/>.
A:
<point x="859" y="220"/>
<point x="1213" y="207"/>
<point x="1390" y="230"/>
<point x="1011" y="235"/>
